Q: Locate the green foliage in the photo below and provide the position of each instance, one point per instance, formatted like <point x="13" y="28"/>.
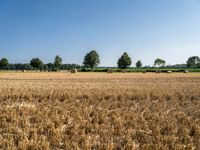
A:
<point x="198" y="65"/>
<point x="70" y="66"/>
<point x="91" y="59"/>
<point x="124" y="61"/>
<point x="138" y="64"/>
<point x="4" y="63"/>
<point x="36" y="63"/>
<point x="159" y="62"/>
<point x="45" y="67"/>
<point x="193" y="62"/>
<point x="135" y="70"/>
<point x="57" y="62"/>
<point x="19" y="66"/>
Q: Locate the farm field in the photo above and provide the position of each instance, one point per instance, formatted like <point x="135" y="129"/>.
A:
<point x="100" y="111"/>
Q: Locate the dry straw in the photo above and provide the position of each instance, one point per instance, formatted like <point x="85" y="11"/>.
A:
<point x="99" y="111"/>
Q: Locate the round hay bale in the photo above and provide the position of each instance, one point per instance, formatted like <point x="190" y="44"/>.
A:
<point x="169" y="71"/>
<point x="109" y="71"/>
<point x="158" y="71"/>
<point x="74" y="71"/>
<point x="23" y="70"/>
<point x="124" y="71"/>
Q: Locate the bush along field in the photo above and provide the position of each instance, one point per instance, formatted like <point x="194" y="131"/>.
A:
<point x="161" y="70"/>
<point x="100" y="111"/>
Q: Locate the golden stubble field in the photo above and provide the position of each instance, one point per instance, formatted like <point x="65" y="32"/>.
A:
<point x="100" y="111"/>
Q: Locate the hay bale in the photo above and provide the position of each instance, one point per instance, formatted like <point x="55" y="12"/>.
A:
<point x="23" y="70"/>
<point x="109" y="71"/>
<point x="74" y="71"/>
<point x="168" y="71"/>
<point x="144" y="71"/>
<point x="124" y="71"/>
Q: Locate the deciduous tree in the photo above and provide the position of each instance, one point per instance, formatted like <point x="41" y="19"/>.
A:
<point x="124" y="61"/>
<point x="193" y="62"/>
<point x="36" y="63"/>
<point x="91" y="59"/>
<point x="4" y="63"/>
<point x="57" y="62"/>
<point x="138" y="64"/>
<point x="159" y="62"/>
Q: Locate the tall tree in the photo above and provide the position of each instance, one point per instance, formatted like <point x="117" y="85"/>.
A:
<point x="159" y="62"/>
<point x="198" y="65"/>
<point x="138" y="64"/>
<point x="91" y="59"/>
<point x="36" y="63"/>
<point x="124" y="61"/>
<point x="57" y="62"/>
<point x="193" y="62"/>
<point x="50" y="66"/>
<point x="4" y="63"/>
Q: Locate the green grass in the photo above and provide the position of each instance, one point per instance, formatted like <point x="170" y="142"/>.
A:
<point x="120" y="70"/>
<point x="138" y="70"/>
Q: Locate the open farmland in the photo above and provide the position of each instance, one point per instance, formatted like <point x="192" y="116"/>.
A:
<point x="100" y="111"/>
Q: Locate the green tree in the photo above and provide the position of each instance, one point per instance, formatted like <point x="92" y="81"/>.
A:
<point x="159" y="62"/>
<point x="45" y="67"/>
<point x="91" y="59"/>
<point x="124" y="61"/>
<point x="36" y="63"/>
<point x="198" y="65"/>
<point x="4" y="63"/>
<point x="138" y="64"/>
<point x="57" y="62"/>
<point x="193" y="62"/>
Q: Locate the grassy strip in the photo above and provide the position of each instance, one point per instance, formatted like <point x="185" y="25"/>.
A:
<point x="138" y="70"/>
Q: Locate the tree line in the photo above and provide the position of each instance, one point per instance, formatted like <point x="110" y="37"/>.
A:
<point x="37" y="64"/>
<point x="91" y="60"/>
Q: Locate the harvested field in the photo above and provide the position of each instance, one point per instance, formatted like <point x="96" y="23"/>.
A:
<point x="100" y="111"/>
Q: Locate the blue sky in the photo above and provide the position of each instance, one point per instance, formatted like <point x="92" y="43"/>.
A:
<point x="146" y="29"/>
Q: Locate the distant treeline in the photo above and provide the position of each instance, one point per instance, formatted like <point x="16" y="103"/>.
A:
<point x="92" y="60"/>
<point x="144" y="70"/>
<point x="45" y="67"/>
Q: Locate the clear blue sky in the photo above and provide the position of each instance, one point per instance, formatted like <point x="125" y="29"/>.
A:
<point x="146" y="29"/>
